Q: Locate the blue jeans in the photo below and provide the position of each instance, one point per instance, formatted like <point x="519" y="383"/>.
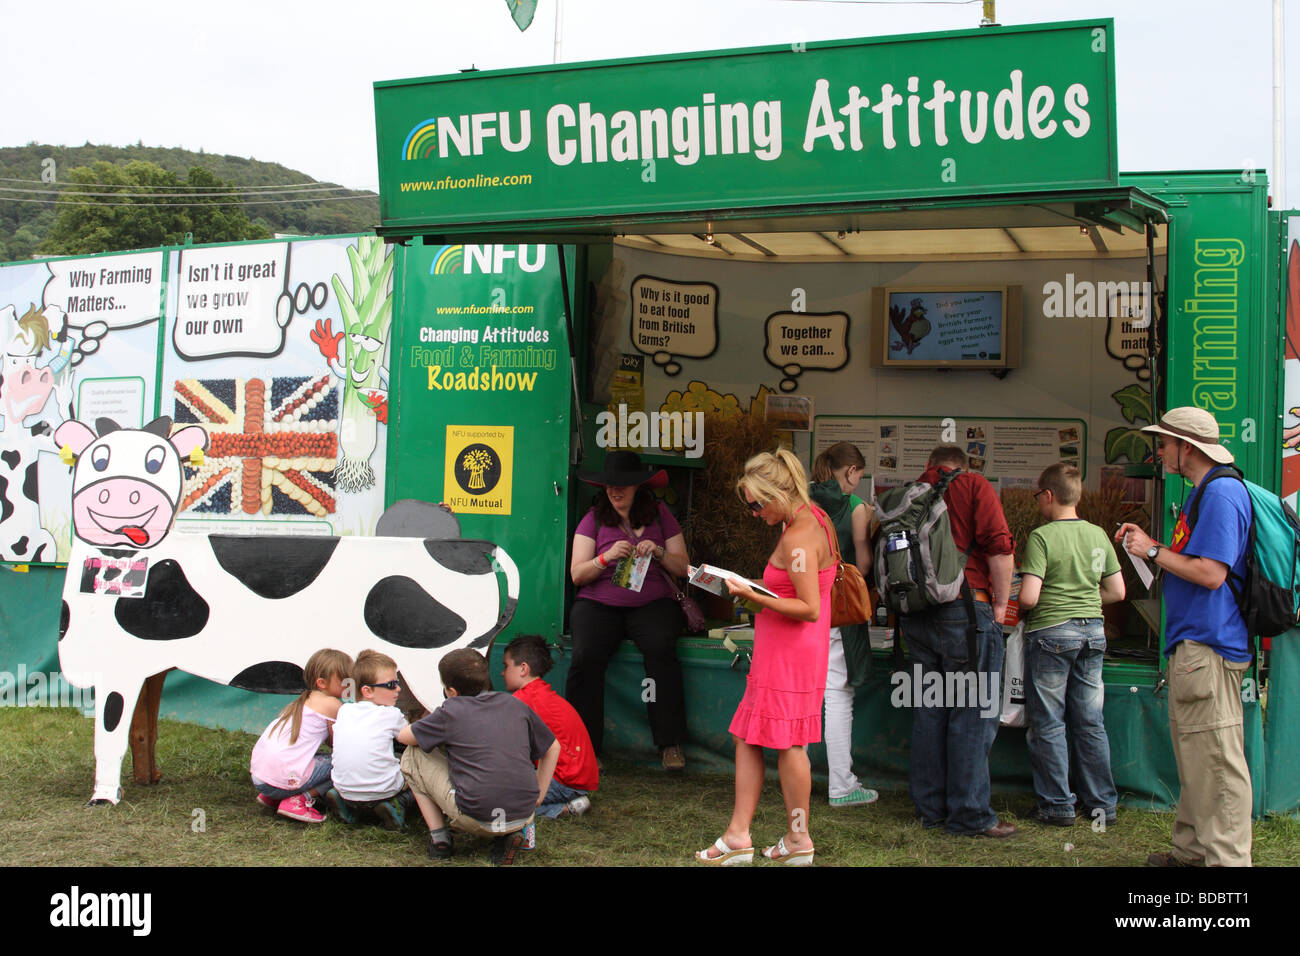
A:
<point x="1063" y="689"/>
<point x="319" y="780"/>
<point x="557" y="795"/>
<point x="949" y="781"/>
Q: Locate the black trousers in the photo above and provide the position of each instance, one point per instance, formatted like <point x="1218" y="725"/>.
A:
<point x="598" y="629"/>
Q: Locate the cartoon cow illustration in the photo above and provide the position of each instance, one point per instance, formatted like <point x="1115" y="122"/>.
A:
<point x="243" y="610"/>
<point x="25" y="391"/>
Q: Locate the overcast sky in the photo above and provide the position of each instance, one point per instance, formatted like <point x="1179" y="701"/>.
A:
<point x="290" y="82"/>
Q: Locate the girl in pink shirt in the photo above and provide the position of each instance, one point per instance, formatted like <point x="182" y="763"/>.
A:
<point x="286" y="770"/>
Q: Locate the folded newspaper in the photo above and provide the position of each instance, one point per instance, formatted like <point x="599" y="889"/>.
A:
<point x="713" y="579"/>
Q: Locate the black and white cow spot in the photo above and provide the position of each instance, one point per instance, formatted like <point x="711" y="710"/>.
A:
<point x="6" y="506"/>
<point x="464" y="557"/>
<point x="11" y="458"/>
<point x="271" y="677"/>
<point x="113" y="707"/>
<point x="19" y="547"/>
<point x="273" y="567"/>
<point x="403" y="613"/>
<point x="169" y="610"/>
<point x="32" y="483"/>
<point x="65" y="617"/>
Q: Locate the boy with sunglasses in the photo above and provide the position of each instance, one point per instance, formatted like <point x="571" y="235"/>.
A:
<point x="366" y="771"/>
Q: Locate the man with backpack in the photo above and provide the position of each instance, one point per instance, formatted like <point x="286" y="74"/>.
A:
<point x="1206" y="642"/>
<point x="949" y="779"/>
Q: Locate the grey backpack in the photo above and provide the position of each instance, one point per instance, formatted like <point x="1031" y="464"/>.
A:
<point x="918" y="564"/>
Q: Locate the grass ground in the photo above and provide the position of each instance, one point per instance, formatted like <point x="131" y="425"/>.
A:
<point x="203" y="814"/>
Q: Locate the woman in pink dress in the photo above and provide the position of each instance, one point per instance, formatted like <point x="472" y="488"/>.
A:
<point x="782" y="706"/>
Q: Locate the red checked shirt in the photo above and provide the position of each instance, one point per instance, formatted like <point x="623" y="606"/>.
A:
<point x="577" y="765"/>
<point x="975" y="515"/>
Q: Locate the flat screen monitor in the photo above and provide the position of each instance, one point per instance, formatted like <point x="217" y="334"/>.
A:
<point x="946" y="326"/>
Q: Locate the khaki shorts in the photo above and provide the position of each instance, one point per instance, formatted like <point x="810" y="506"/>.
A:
<point x="429" y="774"/>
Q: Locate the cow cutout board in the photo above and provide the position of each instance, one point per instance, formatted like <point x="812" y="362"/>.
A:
<point x="247" y="611"/>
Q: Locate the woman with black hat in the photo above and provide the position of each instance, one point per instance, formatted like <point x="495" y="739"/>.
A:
<point x="627" y="521"/>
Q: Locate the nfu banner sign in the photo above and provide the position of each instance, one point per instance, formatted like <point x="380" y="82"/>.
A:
<point x="962" y="113"/>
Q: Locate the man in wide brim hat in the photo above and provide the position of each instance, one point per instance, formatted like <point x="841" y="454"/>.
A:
<point x="1206" y="642"/>
<point x="623" y="469"/>
<point x="1195" y="426"/>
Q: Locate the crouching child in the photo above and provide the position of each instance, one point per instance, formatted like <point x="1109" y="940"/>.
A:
<point x="366" y="774"/>
<point x="469" y="764"/>
<point x="577" y="774"/>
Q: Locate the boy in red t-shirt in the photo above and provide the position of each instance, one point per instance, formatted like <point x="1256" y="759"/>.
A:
<point x="527" y="659"/>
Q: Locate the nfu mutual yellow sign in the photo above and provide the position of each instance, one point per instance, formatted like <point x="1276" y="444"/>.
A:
<point x="479" y="470"/>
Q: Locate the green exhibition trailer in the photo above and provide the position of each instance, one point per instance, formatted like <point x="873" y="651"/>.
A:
<point x="543" y="222"/>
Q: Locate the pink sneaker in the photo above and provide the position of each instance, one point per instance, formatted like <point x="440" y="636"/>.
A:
<point x="269" y="802"/>
<point x="300" y="808"/>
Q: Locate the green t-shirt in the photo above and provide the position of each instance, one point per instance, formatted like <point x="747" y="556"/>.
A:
<point x="1071" y="556"/>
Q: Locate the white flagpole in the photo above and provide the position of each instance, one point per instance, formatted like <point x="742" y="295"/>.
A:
<point x="1279" y="110"/>
<point x="559" y="17"/>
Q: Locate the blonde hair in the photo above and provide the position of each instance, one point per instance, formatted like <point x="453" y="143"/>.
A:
<point x="322" y="665"/>
<point x="775" y="476"/>
<point x="840" y="455"/>
<point x="1063" y="481"/>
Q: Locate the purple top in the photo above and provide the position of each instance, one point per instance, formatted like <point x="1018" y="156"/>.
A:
<point x="603" y="589"/>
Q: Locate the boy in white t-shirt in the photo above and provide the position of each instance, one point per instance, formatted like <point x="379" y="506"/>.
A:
<point x="366" y="772"/>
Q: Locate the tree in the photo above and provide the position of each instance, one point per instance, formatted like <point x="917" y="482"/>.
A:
<point x="109" y="207"/>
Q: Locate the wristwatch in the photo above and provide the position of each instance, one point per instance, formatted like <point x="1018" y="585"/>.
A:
<point x="1153" y="551"/>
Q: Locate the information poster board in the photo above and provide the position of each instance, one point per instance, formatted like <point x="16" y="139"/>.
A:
<point x="1012" y="452"/>
<point x="79" y="339"/>
<point x="280" y="350"/>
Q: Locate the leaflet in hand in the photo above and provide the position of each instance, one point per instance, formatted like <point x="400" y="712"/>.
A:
<point x="631" y="570"/>
<point x="713" y="579"/>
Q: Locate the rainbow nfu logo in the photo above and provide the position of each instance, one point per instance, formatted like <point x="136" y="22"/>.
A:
<point x="421" y="141"/>
<point x="449" y="261"/>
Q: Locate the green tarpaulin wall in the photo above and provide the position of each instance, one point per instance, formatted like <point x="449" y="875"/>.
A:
<point x="1136" y="719"/>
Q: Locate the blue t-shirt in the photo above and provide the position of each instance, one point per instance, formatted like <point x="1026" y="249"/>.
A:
<point x="1198" y="614"/>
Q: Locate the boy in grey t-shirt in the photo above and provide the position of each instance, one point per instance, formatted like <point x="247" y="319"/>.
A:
<point x="1068" y="571"/>
<point x="469" y="764"/>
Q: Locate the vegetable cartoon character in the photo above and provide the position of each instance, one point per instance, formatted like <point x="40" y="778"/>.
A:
<point x="367" y="314"/>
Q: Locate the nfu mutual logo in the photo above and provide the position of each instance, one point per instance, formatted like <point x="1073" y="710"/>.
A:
<point x="464" y="259"/>
<point x="430" y="138"/>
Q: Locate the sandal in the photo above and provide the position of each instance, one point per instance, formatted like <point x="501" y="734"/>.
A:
<point x="780" y="854"/>
<point x="726" y="855"/>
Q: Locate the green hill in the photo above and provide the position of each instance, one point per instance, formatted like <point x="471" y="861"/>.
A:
<point x="23" y="225"/>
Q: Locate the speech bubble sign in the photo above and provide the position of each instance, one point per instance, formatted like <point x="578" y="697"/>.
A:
<point x="673" y="318"/>
<point x="798" y="341"/>
<point x="1127" y="339"/>
<point x="107" y="292"/>
<point x="236" y="300"/>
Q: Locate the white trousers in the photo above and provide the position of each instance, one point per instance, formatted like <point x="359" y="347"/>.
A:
<point x="838" y="725"/>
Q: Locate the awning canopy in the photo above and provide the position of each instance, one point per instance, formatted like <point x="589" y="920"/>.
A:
<point x="1078" y="224"/>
